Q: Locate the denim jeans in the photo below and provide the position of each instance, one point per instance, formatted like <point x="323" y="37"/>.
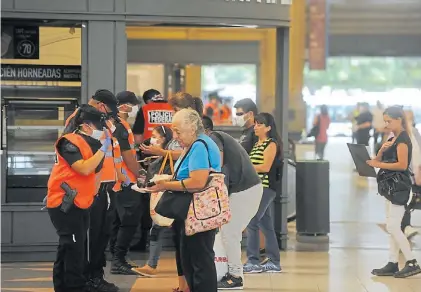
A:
<point x="263" y="220"/>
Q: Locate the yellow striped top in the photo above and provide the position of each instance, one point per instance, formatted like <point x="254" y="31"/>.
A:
<point x="256" y="157"/>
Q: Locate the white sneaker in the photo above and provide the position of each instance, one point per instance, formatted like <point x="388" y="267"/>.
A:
<point x="410" y="232"/>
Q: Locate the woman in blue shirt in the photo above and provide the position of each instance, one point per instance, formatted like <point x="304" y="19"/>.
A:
<point x="197" y="255"/>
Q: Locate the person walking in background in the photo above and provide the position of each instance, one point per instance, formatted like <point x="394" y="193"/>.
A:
<point x="213" y="108"/>
<point x="353" y="118"/>
<point x="364" y="125"/>
<point x="378" y="125"/>
<point x="322" y="121"/>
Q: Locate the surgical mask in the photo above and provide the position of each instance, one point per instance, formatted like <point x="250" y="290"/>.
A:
<point x="97" y="134"/>
<point x="154" y="141"/>
<point x="134" y="111"/>
<point x="239" y="121"/>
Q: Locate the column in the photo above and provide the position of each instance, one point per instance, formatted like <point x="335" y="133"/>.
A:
<point x="194" y="80"/>
<point x="104" y="57"/>
<point x="282" y="115"/>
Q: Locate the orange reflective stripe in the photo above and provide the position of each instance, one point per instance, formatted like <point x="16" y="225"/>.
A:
<point x="132" y="177"/>
<point x="71" y="117"/>
<point x="86" y="186"/>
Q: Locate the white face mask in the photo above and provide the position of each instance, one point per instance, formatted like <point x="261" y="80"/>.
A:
<point x="97" y="134"/>
<point x="154" y="141"/>
<point x="134" y="111"/>
<point x="239" y="121"/>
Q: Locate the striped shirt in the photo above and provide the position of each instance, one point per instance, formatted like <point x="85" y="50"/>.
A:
<point x="257" y="157"/>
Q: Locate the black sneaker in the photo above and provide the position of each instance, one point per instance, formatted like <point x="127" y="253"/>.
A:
<point x="229" y="282"/>
<point x="411" y="268"/>
<point x="122" y="268"/>
<point x="100" y="285"/>
<point x="389" y="270"/>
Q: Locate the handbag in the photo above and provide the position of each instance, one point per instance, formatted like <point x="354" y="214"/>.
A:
<point x="314" y="132"/>
<point x="209" y="208"/>
<point x="156" y="197"/>
<point x="174" y="204"/>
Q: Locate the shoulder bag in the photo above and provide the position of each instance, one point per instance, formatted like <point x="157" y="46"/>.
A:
<point x="209" y="208"/>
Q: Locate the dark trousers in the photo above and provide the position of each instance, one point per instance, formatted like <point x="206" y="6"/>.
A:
<point x="102" y="218"/>
<point x="178" y="228"/>
<point x="129" y="212"/>
<point x="72" y="228"/>
<point x="362" y="138"/>
<point x="198" y="261"/>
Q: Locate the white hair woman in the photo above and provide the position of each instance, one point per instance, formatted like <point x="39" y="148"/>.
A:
<point x="200" y="156"/>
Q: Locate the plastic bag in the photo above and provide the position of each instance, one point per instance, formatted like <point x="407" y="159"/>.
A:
<point x="221" y="260"/>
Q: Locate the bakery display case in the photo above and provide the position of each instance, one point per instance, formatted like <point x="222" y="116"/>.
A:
<point x="30" y="128"/>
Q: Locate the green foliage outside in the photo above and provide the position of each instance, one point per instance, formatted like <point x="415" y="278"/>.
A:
<point x="368" y="74"/>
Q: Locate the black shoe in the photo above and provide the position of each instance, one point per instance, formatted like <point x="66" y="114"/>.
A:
<point x="229" y="282"/>
<point x="389" y="270"/>
<point x="100" y="285"/>
<point x="411" y="268"/>
<point x="122" y="268"/>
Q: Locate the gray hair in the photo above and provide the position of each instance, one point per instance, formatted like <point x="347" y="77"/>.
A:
<point x="190" y="119"/>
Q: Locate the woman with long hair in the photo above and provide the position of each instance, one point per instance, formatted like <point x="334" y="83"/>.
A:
<point x="393" y="161"/>
<point x="266" y="158"/>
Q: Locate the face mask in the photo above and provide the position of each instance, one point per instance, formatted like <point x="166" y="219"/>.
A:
<point x="154" y="141"/>
<point x="239" y="121"/>
<point x="134" y="111"/>
<point x="97" y="134"/>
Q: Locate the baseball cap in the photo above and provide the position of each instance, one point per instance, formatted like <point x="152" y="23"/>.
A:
<point x="127" y="97"/>
<point x="89" y="114"/>
<point x="108" y="98"/>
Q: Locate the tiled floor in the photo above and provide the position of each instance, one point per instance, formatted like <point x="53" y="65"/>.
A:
<point x="357" y="244"/>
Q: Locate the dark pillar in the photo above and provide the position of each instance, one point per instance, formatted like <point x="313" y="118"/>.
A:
<point x="281" y="116"/>
<point x="104" y="57"/>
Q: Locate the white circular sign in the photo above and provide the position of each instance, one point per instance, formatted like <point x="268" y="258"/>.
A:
<point x="26" y="48"/>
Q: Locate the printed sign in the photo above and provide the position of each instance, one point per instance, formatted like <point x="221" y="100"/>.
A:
<point x="19" y="42"/>
<point x="160" y="117"/>
<point x="18" y="72"/>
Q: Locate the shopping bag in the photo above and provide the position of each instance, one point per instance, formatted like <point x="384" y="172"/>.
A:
<point x="158" y="219"/>
<point x="155" y="197"/>
<point x="221" y="260"/>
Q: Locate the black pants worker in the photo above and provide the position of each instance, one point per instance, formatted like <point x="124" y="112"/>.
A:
<point x="72" y="228"/>
<point x="102" y="218"/>
<point x="129" y="212"/>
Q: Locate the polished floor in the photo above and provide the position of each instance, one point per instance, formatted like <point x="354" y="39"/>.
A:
<point x="358" y="243"/>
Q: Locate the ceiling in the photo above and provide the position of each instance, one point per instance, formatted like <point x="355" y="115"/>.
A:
<point x="375" y="27"/>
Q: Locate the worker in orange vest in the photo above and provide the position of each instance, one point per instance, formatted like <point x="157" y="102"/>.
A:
<point x="212" y="109"/>
<point x="155" y="112"/>
<point x="103" y="100"/>
<point x="72" y="186"/>
<point x="128" y="201"/>
<point x="103" y="210"/>
<point x="226" y="112"/>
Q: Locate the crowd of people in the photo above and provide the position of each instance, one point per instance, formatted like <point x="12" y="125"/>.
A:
<point x="104" y="170"/>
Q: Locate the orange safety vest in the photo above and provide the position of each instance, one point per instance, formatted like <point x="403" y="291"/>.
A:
<point x="226" y="114"/>
<point x="156" y="114"/>
<point x="132" y="177"/>
<point x="118" y="163"/>
<point x="86" y="186"/>
<point x="216" y="117"/>
<point x="108" y="172"/>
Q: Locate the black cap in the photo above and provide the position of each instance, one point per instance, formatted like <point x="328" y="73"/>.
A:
<point x="152" y="95"/>
<point x="89" y="114"/>
<point x="108" y="98"/>
<point x="127" y="97"/>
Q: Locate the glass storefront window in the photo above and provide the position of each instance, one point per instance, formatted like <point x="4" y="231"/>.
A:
<point x="231" y="83"/>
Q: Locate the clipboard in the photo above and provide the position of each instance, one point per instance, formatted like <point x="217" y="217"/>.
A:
<point x="360" y="155"/>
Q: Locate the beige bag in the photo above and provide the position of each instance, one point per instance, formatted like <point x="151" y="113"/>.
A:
<point x="155" y="197"/>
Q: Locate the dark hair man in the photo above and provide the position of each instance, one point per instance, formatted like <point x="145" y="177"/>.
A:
<point x="156" y="111"/>
<point x="364" y="124"/>
<point x="246" y="110"/>
<point x="245" y="190"/>
<point x="212" y="108"/>
<point x="103" y="100"/>
<point x="127" y="200"/>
